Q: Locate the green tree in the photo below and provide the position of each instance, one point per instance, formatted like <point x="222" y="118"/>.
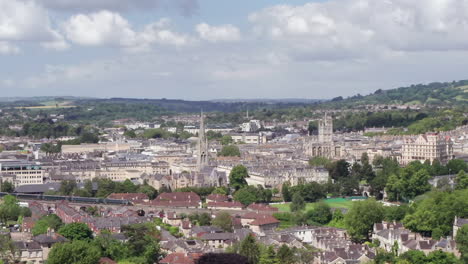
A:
<point x="67" y="187"/>
<point x="285" y="255"/>
<point x="457" y="165"/>
<point x="414" y="257"/>
<point x="461" y="181"/>
<point x="462" y="242"/>
<point x="76" y="252"/>
<point x="7" y="187"/>
<point x="268" y="256"/>
<point x="230" y="151"/>
<point x="298" y="203"/>
<point x="148" y="190"/>
<point x="223" y="220"/>
<point x="76" y="231"/>
<point x="319" y="162"/>
<point x="440" y="257"/>
<point x="226" y="140"/>
<point x="51" y="221"/>
<point x="246" y="195"/>
<point x="237" y="177"/>
<point x="361" y="218"/>
<point x="130" y="134"/>
<point x="249" y="248"/>
<point x="287" y="196"/>
<point x="321" y="214"/>
<point x="10" y="209"/>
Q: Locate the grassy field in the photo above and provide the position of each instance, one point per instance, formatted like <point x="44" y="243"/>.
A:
<point x="333" y="203"/>
<point x="49" y="105"/>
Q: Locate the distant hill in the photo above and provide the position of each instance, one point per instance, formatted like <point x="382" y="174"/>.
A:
<point x="433" y="94"/>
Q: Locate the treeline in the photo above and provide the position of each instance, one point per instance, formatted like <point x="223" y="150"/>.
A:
<point x="104" y="188"/>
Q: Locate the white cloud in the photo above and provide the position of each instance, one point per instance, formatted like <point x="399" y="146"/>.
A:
<point x="25" y="21"/>
<point x="7" y="48"/>
<point x="352" y="29"/>
<point x="111" y="29"/>
<point x="102" y="28"/>
<point x="224" y="33"/>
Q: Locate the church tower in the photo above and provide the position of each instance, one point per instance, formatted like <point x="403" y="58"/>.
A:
<point x="202" y="151"/>
<point x="325" y="129"/>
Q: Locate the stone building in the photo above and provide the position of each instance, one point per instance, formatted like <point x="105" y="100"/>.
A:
<point x="322" y="145"/>
<point x="431" y="146"/>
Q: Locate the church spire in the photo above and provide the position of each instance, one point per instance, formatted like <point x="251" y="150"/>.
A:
<point x="202" y="151"/>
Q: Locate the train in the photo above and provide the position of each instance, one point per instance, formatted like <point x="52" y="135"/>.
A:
<point x="73" y="199"/>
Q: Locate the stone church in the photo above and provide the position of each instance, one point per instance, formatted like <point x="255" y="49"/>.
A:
<point x="322" y="145"/>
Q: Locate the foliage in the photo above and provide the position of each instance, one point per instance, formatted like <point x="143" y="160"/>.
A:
<point x="223" y="220"/>
<point x="77" y="252"/>
<point x="310" y="192"/>
<point x="436" y="211"/>
<point x="51" y="221"/>
<point x="76" y="231"/>
<point x="7" y="186"/>
<point x="245" y="195"/>
<point x="285" y="255"/>
<point x="143" y="241"/>
<point x="462" y="242"/>
<point x="173" y="230"/>
<point x="361" y="218"/>
<point x="337" y="219"/>
<point x="298" y="203"/>
<point x="230" y="151"/>
<point x="226" y="140"/>
<point x="8" y="250"/>
<point x="237" y="177"/>
<point x="413" y="180"/>
<point x="201" y="191"/>
<point x="287" y="196"/>
<point x="268" y="256"/>
<point x="202" y="219"/>
<point x="250" y="249"/>
<point x="461" y="181"/>
<point x="250" y="194"/>
<point x="49" y="148"/>
<point x="10" y="209"/>
<point x="321" y="214"/>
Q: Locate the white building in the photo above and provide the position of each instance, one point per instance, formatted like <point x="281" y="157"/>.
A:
<point x="430" y="146"/>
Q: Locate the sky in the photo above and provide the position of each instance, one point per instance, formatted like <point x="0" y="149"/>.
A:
<point x="220" y="49"/>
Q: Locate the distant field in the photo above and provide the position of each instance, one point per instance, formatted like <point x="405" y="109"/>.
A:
<point x="49" y="105"/>
<point x="464" y="88"/>
<point x="333" y="203"/>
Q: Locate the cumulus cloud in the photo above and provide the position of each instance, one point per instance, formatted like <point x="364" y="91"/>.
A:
<point x="25" y="21"/>
<point x="185" y="7"/>
<point x="110" y="28"/>
<point x="224" y="33"/>
<point x="359" y="28"/>
<point x="101" y="28"/>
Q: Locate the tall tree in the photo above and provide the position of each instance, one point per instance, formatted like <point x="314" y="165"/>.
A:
<point x="461" y="181"/>
<point x="462" y="242"/>
<point x="237" y="177"/>
<point x="268" y="256"/>
<point x="298" y="203"/>
<point x="286" y="192"/>
<point x="250" y="249"/>
<point x="361" y="218"/>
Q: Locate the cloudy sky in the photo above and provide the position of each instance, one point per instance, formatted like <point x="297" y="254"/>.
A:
<point x="209" y="49"/>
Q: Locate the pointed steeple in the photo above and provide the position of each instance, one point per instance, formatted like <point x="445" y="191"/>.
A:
<point x="202" y="151"/>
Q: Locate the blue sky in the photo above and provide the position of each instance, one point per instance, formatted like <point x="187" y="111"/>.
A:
<point x="210" y="49"/>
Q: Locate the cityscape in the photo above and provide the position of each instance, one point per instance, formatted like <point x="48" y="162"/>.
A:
<point x="170" y="132"/>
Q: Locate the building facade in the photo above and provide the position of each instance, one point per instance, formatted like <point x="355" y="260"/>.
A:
<point x="430" y="146"/>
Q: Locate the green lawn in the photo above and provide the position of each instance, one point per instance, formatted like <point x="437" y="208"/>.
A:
<point x="333" y="203"/>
